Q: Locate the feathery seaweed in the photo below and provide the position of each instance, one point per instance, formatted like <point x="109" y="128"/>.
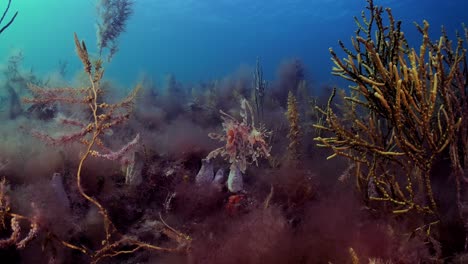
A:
<point x="113" y="15"/>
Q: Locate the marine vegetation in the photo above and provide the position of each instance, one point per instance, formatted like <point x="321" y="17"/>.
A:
<point x="89" y="177"/>
<point x="104" y="117"/>
<point x="259" y="90"/>
<point x="245" y="144"/>
<point x="294" y="134"/>
<point x="405" y="122"/>
<point x="113" y="16"/>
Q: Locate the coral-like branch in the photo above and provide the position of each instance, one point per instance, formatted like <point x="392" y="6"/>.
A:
<point x="294" y="135"/>
<point x="405" y="108"/>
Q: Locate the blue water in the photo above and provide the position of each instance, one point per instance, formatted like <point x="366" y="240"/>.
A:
<point x="208" y="39"/>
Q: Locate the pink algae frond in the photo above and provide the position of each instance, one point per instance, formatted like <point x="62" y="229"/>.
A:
<point x="244" y="142"/>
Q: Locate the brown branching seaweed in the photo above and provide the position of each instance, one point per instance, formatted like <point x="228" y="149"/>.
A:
<point x="406" y="108"/>
<point x="244" y="144"/>
<point x="294" y="134"/>
<point x="6" y="215"/>
<point x="104" y="116"/>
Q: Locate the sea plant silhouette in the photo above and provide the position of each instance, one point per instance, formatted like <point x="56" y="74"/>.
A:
<point x="4" y="15"/>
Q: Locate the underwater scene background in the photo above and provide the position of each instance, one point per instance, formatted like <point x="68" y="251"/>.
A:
<point x="185" y="131"/>
<point x="197" y="40"/>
